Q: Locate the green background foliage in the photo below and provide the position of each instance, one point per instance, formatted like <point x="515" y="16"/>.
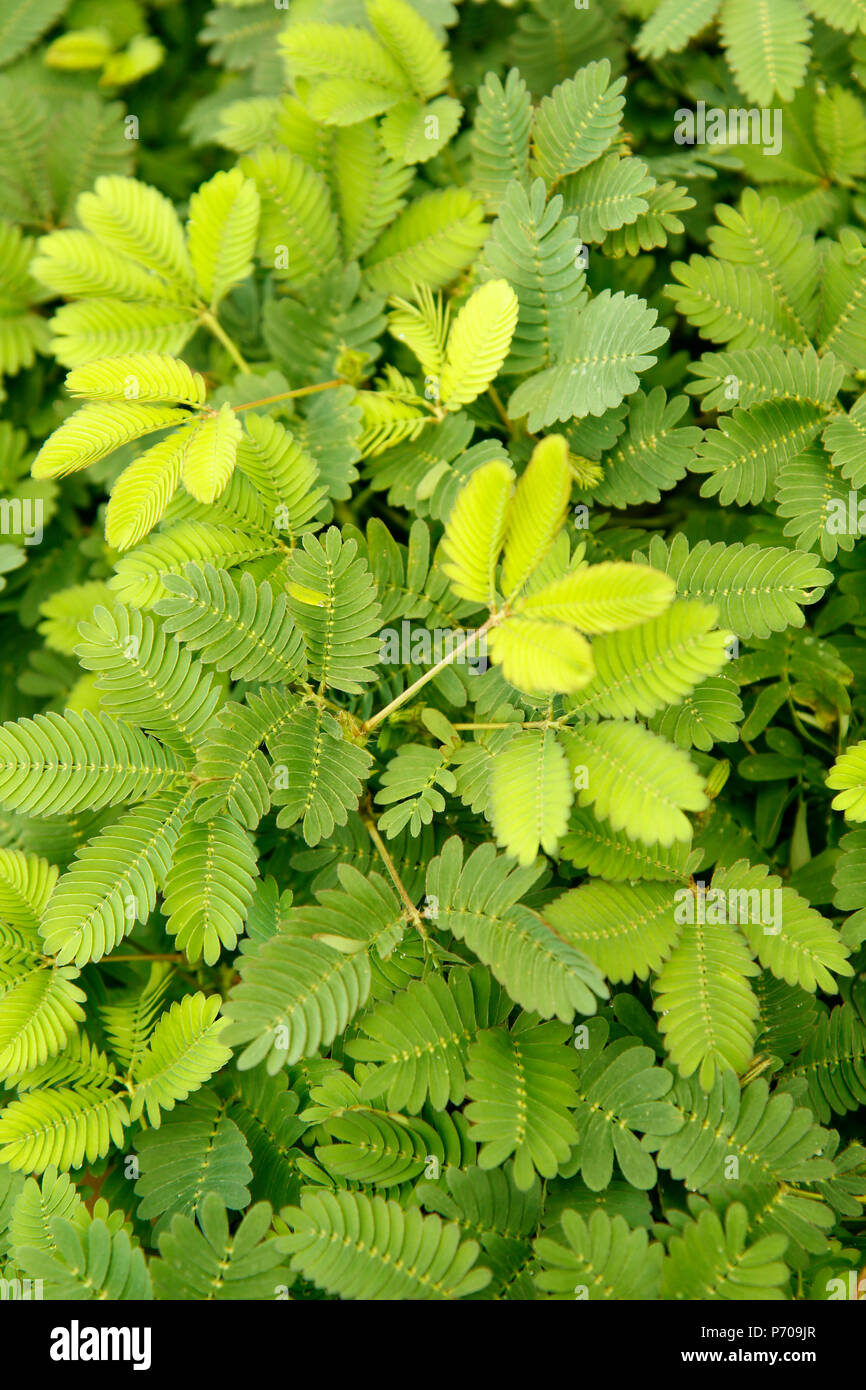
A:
<point x="432" y="720"/>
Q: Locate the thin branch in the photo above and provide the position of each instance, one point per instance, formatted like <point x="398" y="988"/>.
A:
<point x="147" y="955"/>
<point x="495" y="397"/>
<point x="291" y="395"/>
<point x="370" y="724"/>
<point x="212" y="323"/>
<point x="414" y="915"/>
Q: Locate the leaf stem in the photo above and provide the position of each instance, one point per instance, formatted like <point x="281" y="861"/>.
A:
<point x="147" y="955"/>
<point x="212" y="323"/>
<point x="500" y="409"/>
<point x="370" y="724"/>
<point x="800" y="727"/>
<point x="518" y="724"/>
<point x="290" y="395"/>
<point x="414" y="914"/>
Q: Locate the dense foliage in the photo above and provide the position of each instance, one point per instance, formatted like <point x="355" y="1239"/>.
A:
<point x="434" y="690"/>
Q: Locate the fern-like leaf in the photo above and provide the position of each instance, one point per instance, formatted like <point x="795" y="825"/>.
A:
<point x="530" y="795"/>
<point x="658" y="662"/>
<point x="242" y="629"/>
<point x="332" y="598"/>
<point x="61" y="1127"/>
<point x="209" y="887"/>
<point x="74" y="762"/>
<point x="374" y="1238"/>
<point x="522" y="1091"/>
<point x="602" y="1256"/>
<point x="184" y="1052"/>
<point x="298" y="989"/>
<point x="223" y="223"/>
<point x="478" y="343"/>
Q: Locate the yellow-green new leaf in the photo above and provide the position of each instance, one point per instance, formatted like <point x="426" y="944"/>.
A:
<point x="151" y="377"/>
<point x="223" y="225"/>
<point x="79" y="49"/>
<point x="636" y="780"/>
<point x="62" y="1127"/>
<point x="475" y="532"/>
<point x="411" y="41"/>
<point x="541" y="658"/>
<point x="139" y="222"/>
<point x="423" y="327"/>
<point x="604" y="597"/>
<point x="640" y="670"/>
<point x="478" y="344"/>
<point x="183" y="1054"/>
<point x="530" y="794"/>
<point x="537" y="512"/>
<point x="847" y="776"/>
<point x="209" y="457"/>
<point x="26" y="884"/>
<point x="316" y="49"/>
<point x="143" y="491"/>
<point x="40" y="1008"/>
<point x="97" y="430"/>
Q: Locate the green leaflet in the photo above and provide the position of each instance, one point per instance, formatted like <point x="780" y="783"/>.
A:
<point x="531" y="246"/>
<point x="317" y="776"/>
<point x="776" y="1140"/>
<point x="576" y="123"/>
<point x="620" y="1090"/>
<point x="653" y="664"/>
<point x="108" y="903"/>
<point x="42" y="1007"/>
<point x="602" y="1257"/>
<point x="535" y="1125"/>
<point x="712" y="965"/>
<point x="478" y="902"/>
<point x="604" y="347"/>
<point x="222" y="233"/>
<point x="298" y="989"/>
<point x="332" y="599"/>
<point x="789" y="937"/>
<point x="205" y="1261"/>
<point x="379" y="1271"/>
<point x="500" y="135"/>
<point x="58" y="763"/>
<point x="244" y="630"/>
<point x="90" y="1258"/>
<point x="704" y="1257"/>
<point x="756" y="590"/>
<point x="626" y="929"/>
<point x="149" y="679"/>
<point x="532" y="767"/>
<point x="610" y="764"/>
<point x="61" y="1127"/>
<point x="197" y="1148"/>
<point x="433" y="239"/>
<point x="209" y="888"/>
<point x="183" y="1052"/>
